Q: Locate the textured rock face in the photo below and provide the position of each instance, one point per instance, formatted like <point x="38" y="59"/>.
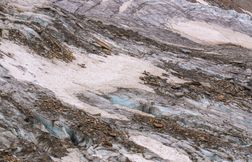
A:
<point x="125" y="80"/>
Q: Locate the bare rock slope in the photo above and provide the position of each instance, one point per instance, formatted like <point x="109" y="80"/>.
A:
<point x="125" y="80"/>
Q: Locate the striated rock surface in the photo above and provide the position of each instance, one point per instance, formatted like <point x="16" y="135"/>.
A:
<point x="125" y="80"/>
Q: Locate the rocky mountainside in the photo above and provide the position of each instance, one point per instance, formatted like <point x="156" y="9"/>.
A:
<point x="125" y="80"/>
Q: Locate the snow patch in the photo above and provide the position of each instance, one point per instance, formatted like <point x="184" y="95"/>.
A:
<point x="73" y="156"/>
<point x="125" y="5"/>
<point x="203" y="2"/>
<point x="206" y="33"/>
<point x="247" y="12"/>
<point x="101" y="75"/>
<point x="165" y="152"/>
